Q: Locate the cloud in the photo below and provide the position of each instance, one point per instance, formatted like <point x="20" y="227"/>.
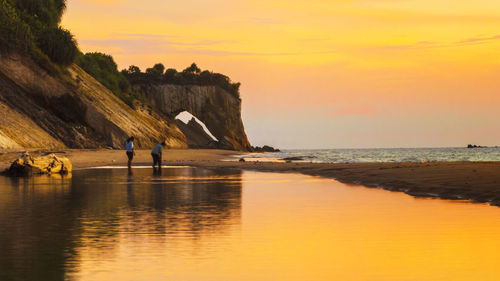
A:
<point x="251" y="54"/>
<point x="431" y="44"/>
<point x="478" y="39"/>
<point x="160" y="44"/>
<point x="417" y="45"/>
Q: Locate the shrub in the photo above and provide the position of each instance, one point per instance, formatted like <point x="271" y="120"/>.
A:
<point x="14" y="32"/>
<point x="40" y="14"/>
<point x="31" y="26"/>
<point x="189" y="76"/>
<point x="59" y="45"/>
<point x="192" y="69"/>
<point x="104" y="69"/>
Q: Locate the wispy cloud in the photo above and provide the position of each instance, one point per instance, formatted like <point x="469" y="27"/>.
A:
<point x="161" y="44"/>
<point x="417" y="45"/>
<point x="431" y="44"/>
<point x="169" y="39"/>
<point x="479" y="39"/>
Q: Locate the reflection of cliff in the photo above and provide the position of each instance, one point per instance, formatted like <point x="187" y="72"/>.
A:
<point x="50" y="224"/>
<point x="193" y="201"/>
<point x="218" y="109"/>
<point x="39" y="228"/>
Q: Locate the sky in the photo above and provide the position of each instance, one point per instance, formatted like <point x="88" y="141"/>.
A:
<point x="323" y="73"/>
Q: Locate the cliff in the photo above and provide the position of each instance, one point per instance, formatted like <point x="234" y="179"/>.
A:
<point x="67" y="108"/>
<point x="216" y="108"/>
<point x="195" y="135"/>
<point x="38" y="110"/>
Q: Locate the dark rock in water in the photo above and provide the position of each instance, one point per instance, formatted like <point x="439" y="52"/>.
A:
<point x="242" y="160"/>
<point x="26" y="165"/>
<point x="293" y="158"/>
<point x="475" y="146"/>
<point x="265" y="148"/>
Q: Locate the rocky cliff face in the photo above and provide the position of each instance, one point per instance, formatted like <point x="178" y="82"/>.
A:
<point x="41" y="111"/>
<point x="219" y="110"/>
<point x="195" y="135"/>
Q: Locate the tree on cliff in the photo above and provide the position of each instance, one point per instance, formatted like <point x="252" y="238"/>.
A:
<point x="133" y="69"/>
<point x="104" y="69"/>
<point x="34" y="25"/>
<point x="59" y="44"/>
<point x="156" y="70"/>
<point x="192" y="69"/>
<point x="192" y="75"/>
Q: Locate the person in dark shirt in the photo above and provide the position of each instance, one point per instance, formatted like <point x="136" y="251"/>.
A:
<point x="157" y="154"/>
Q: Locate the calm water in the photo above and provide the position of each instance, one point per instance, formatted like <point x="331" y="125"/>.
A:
<point x="389" y="154"/>
<point x="195" y="224"/>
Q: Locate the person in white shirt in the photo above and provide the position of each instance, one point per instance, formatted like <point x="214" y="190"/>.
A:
<point x="156" y="153"/>
<point x="129" y="147"/>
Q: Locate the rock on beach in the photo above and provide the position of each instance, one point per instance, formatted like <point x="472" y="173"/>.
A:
<point x="26" y="165"/>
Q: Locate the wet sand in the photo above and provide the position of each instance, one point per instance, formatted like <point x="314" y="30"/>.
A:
<point x="476" y="181"/>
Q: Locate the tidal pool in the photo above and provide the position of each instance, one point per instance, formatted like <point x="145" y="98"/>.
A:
<point x="196" y="224"/>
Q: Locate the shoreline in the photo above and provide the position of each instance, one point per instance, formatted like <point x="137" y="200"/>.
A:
<point x="470" y="181"/>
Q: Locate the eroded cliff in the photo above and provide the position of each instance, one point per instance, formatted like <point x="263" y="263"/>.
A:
<point x="218" y="109"/>
<point x="38" y="110"/>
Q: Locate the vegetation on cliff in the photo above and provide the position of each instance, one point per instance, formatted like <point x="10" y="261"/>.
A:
<point x="33" y="27"/>
<point x="69" y="108"/>
<point x="189" y="76"/>
<point x="104" y="69"/>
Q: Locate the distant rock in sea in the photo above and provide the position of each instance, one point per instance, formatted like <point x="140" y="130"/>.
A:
<point x="265" y="148"/>
<point x="475" y="146"/>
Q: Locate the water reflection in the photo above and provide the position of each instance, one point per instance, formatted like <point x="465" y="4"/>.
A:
<point x="37" y="220"/>
<point x="194" y="224"/>
<point x="51" y="225"/>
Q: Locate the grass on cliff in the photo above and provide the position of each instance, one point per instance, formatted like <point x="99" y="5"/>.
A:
<point x="33" y="28"/>
<point x="104" y="69"/>
<point x="189" y="76"/>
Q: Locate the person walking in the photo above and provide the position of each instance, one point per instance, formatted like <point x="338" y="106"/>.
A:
<point x="157" y="154"/>
<point x="129" y="147"/>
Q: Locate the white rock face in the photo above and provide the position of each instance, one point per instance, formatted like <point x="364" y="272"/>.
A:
<point x="185" y="117"/>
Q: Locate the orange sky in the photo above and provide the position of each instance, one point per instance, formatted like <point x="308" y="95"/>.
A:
<point x="324" y="73"/>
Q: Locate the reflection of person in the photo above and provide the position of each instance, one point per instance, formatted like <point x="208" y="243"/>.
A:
<point x="130" y="188"/>
<point x="129" y="147"/>
<point x="156" y="153"/>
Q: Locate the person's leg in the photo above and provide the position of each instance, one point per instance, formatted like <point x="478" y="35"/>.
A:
<point x="155" y="159"/>
<point x="129" y="155"/>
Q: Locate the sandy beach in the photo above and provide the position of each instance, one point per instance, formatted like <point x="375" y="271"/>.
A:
<point x="475" y="181"/>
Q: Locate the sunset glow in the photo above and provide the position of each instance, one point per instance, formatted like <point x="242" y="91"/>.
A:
<point x="343" y="73"/>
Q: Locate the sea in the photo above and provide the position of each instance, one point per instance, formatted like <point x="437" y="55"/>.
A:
<point x="445" y="154"/>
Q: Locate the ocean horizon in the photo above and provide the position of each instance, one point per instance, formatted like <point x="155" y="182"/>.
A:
<point x="365" y="155"/>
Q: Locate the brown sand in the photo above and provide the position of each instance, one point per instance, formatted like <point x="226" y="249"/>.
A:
<point x="476" y="181"/>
